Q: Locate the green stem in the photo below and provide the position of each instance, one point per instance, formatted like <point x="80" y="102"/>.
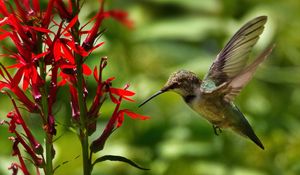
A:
<point x="83" y="121"/>
<point x="85" y="155"/>
<point x="48" y="137"/>
<point x="84" y="138"/>
<point x="49" y="148"/>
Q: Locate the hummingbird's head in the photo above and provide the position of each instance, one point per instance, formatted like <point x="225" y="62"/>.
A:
<point x="182" y="82"/>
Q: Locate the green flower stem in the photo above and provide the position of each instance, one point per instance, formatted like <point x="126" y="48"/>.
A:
<point x="48" y="137"/>
<point x="84" y="138"/>
<point x="83" y="123"/>
<point x="48" y="168"/>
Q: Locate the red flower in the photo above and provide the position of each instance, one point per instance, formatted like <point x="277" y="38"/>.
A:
<point x="130" y="114"/>
<point x="115" y="121"/>
<point x="41" y="53"/>
<point x="12" y="84"/>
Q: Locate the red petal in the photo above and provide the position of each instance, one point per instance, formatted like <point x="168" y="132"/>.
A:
<point x="36" y="6"/>
<point x="68" y="54"/>
<point x="122" y="17"/>
<point x="40" y="29"/>
<point x="128" y="99"/>
<point x="18" y="65"/>
<point x="3" y="9"/>
<point x="113" y="99"/>
<point x="121" y="92"/>
<point x="57" y="50"/>
<point x="120" y="119"/>
<point x="71" y="24"/>
<point x="3" y="84"/>
<point x="86" y="70"/>
<point x="110" y="79"/>
<point x="78" y="49"/>
<point x="48" y="14"/>
<point x="95" y="73"/>
<point x="17" y="78"/>
<point x="95" y="47"/>
<point x="36" y="57"/>
<point x="134" y="115"/>
<point x="4" y="35"/>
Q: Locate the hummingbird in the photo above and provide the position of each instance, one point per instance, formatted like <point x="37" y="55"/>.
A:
<point x="213" y="96"/>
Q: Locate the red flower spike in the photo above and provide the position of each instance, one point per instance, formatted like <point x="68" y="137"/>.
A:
<point x="28" y="28"/>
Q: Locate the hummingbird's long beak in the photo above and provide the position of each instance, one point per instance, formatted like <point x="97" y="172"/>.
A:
<point x="154" y="95"/>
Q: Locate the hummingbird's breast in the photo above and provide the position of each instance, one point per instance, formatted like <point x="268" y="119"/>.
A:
<point x="211" y="109"/>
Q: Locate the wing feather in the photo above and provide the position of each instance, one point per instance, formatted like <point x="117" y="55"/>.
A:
<point x="229" y="72"/>
<point x="234" y="57"/>
<point x="234" y="87"/>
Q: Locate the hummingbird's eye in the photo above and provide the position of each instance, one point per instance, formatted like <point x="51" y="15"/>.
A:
<point x="174" y="86"/>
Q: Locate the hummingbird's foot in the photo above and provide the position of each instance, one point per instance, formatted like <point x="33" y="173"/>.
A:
<point x="217" y="130"/>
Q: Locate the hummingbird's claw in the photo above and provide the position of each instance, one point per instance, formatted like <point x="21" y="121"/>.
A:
<point x="217" y="130"/>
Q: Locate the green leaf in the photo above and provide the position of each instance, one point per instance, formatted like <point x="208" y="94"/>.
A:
<point x="118" y="158"/>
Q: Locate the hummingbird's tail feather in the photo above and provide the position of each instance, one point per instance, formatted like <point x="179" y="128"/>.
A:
<point x="248" y="132"/>
<point x="244" y="128"/>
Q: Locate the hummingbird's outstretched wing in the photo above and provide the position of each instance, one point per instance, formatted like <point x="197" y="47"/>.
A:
<point x="231" y="62"/>
<point x="234" y="86"/>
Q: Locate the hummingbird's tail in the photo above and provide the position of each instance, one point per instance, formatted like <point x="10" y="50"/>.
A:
<point x="244" y="128"/>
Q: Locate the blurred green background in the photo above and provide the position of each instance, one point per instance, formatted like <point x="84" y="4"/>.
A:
<point x="187" y="34"/>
